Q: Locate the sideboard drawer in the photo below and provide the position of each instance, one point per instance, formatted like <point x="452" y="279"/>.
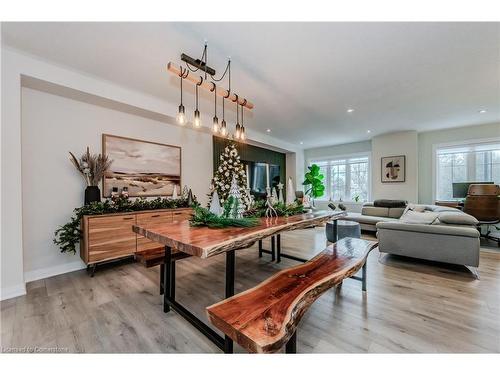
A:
<point x="111" y="237"/>
<point x="181" y="215"/>
<point x="148" y="219"/>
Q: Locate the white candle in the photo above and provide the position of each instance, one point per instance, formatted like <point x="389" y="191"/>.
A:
<point x="267" y="175"/>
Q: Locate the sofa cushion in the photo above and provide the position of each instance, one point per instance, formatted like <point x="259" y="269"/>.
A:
<point x="449" y="230"/>
<point x="375" y="211"/>
<point x="412" y="217"/>
<point x="389" y="203"/>
<point x="414" y="207"/>
<point x="365" y="219"/>
<point x="457" y="218"/>
<point x="396" y="212"/>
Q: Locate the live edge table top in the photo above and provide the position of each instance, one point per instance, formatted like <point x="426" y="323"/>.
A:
<point x="205" y="242"/>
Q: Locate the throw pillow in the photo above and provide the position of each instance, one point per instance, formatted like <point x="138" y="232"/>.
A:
<point x="412" y="217"/>
<point x="414" y="207"/>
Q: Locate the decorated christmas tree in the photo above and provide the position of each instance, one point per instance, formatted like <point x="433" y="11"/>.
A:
<point x="230" y="166"/>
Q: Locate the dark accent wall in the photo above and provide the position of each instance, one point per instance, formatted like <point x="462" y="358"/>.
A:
<point x="251" y="153"/>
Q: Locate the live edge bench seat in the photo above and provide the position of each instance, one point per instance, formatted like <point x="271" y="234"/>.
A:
<point x="264" y="318"/>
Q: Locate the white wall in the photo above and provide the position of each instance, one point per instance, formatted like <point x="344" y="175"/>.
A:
<point x="393" y="144"/>
<point x="42" y="195"/>
<point x="337" y="150"/>
<point x="52" y="126"/>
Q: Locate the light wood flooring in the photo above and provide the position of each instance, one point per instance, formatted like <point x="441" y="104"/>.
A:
<point x="410" y="306"/>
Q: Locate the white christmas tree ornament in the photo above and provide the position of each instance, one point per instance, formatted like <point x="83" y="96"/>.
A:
<point x="237" y="206"/>
<point x="174" y="193"/>
<point x="280" y="193"/>
<point x="215" y="206"/>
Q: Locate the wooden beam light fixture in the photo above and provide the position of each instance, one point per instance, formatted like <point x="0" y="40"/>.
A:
<point x="208" y="81"/>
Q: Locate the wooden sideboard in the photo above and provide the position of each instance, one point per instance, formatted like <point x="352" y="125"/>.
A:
<point x="109" y="237"/>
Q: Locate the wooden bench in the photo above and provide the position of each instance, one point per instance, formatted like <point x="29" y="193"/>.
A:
<point x="264" y="318"/>
<point x="154" y="257"/>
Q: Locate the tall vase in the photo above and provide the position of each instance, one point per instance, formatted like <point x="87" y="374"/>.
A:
<point x="92" y="194"/>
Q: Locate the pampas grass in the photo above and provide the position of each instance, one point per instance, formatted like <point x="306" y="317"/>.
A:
<point x="91" y="166"/>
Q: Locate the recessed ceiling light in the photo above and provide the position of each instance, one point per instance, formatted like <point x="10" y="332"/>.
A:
<point x="483" y="111"/>
<point x="350" y="110"/>
<point x="368" y="131"/>
<point x="268" y="130"/>
<point x="301" y="142"/>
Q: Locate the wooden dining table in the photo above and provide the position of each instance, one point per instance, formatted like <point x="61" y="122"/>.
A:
<point x="204" y="242"/>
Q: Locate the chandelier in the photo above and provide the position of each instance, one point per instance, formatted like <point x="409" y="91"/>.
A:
<point x="208" y="81"/>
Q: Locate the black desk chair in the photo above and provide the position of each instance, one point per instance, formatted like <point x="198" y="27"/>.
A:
<point x="483" y="203"/>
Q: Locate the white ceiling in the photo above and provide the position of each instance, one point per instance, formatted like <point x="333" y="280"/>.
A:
<point x="302" y="77"/>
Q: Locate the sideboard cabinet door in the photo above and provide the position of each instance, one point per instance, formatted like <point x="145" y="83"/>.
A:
<point x="111" y="237"/>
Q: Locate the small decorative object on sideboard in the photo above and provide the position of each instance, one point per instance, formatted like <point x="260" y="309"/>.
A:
<point x="124" y="193"/>
<point x="92" y="168"/>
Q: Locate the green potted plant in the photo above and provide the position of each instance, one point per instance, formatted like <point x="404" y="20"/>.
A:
<point x="313" y="180"/>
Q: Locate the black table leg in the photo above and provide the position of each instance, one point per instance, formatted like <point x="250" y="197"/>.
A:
<point x="273" y="248"/>
<point x="162" y="275"/>
<point x="167" y="279"/>
<point x="278" y="248"/>
<point x="230" y="263"/>
<point x="172" y="280"/>
<point x="260" y="248"/>
<point x="291" y="345"/>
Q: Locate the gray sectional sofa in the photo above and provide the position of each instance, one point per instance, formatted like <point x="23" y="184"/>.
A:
<point x="436" y="233"/>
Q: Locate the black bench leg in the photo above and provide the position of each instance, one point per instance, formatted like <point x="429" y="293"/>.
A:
<point x="162" y="275"/>
<point x="364" y="278"/>
<point x="230" y="263"/>
<point x="260" y="248"/>
<point x="278" y="248"/>
<point x="291" y="345"/>
<point x="167" y="279"/>
<point x="273" y="248"/>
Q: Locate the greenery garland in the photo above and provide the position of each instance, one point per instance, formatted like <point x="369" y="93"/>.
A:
<point x="202" y="217"/>
<point x="68" y="235"/>
<point x="259" y="209"/>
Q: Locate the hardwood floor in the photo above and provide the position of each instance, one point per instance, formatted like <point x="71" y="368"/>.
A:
<point x="410" y="306"/>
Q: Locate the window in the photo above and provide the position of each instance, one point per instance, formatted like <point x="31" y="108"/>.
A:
<point x="345" y="178"/>
<point x="475" y="162"/>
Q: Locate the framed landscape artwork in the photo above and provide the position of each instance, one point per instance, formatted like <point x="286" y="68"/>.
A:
<point x="145" y="168"/>
<point x="393" y="168"/>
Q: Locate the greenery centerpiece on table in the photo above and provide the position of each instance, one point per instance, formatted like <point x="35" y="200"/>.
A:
<point x="68" y="235"/>
<point x="202" y="217"/>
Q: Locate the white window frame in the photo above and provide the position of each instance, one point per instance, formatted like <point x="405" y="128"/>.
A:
<point x="340" y="157"/>
<point x="437" y="146"/>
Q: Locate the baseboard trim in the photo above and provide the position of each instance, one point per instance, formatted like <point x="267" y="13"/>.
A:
<point x="43" y="273"/>
<point x="12" y="291"/>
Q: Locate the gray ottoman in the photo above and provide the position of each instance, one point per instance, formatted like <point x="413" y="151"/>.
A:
<point x="344" y="229"/>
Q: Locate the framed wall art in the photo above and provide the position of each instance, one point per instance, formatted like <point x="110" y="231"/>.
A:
<point x="143" y="168"/>
<point x="393" y="169"/>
